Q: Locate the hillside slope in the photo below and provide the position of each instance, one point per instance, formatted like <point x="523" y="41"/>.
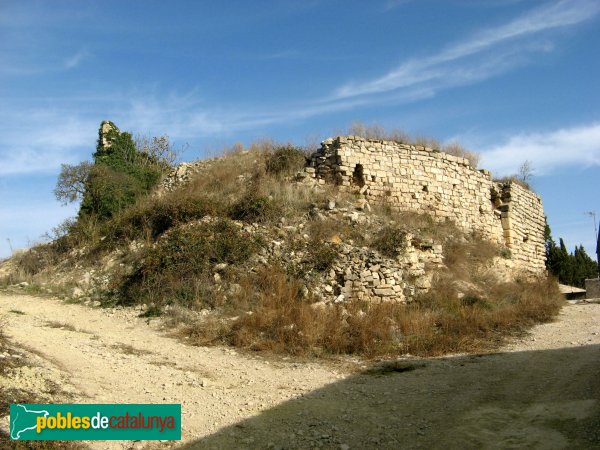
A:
<point x="240" y="250"/>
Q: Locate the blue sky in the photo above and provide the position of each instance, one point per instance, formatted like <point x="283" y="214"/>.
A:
<point x="513" y="80"/>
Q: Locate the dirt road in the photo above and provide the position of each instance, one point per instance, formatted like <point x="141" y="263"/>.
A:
<point x="542" y="391"/>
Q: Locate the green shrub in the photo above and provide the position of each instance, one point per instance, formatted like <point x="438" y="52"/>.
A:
<point x="256" y="208"/>
<point x="178" y="270"/>
<point x="321" y="256"/>
<point x="390" y="241"/>
<point x="285" y="160"/>
<point x="152" y="218"/>
<point x="109" y="191"/>
<point x="475" y="301"/>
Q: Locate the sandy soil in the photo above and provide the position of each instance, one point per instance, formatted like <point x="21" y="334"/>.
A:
<point x="542" y="391"/>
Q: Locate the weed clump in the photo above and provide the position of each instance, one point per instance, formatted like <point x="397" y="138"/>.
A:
<point x="150" y="219"/>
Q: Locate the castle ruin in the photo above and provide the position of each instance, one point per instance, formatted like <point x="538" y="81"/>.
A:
<point x="424" y="180"/>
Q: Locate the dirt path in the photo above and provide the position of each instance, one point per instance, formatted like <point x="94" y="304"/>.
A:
<point x="541" y="392"/>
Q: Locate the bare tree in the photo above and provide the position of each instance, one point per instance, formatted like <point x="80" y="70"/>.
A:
<point x="525" y="172"/>
<point x="158" y="149"/>
<point x="71" y="182"/>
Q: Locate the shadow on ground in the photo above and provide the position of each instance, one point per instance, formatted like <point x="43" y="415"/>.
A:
<point x="540" y="399"/>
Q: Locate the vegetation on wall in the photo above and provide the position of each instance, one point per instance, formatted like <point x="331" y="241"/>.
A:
<point x="120" y="174"/>
<point x="401" y="137"/>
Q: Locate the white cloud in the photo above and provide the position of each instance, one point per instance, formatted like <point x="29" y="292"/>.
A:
<point x="480" y="49"/>
<point x="576" y="146"/>
<point x="486" y="54"/>
<point x="393" y="4"/>
<point x="15" y="63"/>
<point x="39" y="141"/>
<point x="73" y="61"/>
<point x="24" y="225"/>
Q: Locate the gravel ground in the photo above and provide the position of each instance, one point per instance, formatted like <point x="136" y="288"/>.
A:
<point x="541" y="391"/>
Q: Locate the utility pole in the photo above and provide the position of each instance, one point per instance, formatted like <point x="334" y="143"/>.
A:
<point x="592" y="214"/>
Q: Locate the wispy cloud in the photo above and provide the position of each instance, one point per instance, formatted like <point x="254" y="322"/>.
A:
<point x="480" y="49"/>
<point x="66" y="133"/>
<point x="32" y="43"/>
<point x="568" y="147"/>
<point x="24" y="225"/>
<point x="73" y="61"/>
<point x="283" y="54"/>
<point x="484" y="55"/>
<point x="39" y="141"/>
<point x="393" y="4"/>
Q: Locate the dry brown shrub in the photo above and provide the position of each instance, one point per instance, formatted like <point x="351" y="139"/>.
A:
<point x="429" y="142"/>
<point x="281" y="320"/>
<point x="378" y="132"/>
<point x="463" y="255"/>
<point x="456" y="149"/>
<point x="514" y="179"/>
<point x="329" y="230"/>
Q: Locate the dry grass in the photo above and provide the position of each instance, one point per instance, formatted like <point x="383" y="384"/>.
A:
<point x="462" y="256"/>
<point x="65" y="326"/>
<point x="445" y="323"/>
<point x="379" y="132"/>
<point x="130" y="350"/>
<point x="439" y="322"/>
<point x="31" y="262"/>
<point x="458" y="150"/>
<point x="421" y="226"/>
<point x="514" y="179"/>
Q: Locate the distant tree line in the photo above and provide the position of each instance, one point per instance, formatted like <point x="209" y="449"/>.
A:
<point x="570" y="268"/>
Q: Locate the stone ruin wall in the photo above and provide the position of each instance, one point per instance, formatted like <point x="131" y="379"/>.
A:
<point x="523" y="224"/>
<point x="423" y="180"/>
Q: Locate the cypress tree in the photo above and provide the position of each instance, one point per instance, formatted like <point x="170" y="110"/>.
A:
<point x="569" y="268"/>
